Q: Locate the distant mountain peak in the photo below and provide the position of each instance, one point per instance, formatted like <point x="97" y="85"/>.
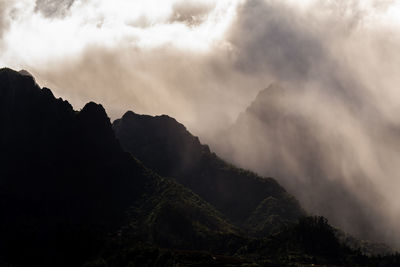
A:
<point x="129" y="113"/>
<point x="132" y="115"/>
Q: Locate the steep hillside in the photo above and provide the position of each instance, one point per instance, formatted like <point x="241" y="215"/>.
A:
<point x="163" y="144"/>
<point x="66" y="185"/>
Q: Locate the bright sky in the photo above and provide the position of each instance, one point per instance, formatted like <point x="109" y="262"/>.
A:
<point x="33" y="37"/>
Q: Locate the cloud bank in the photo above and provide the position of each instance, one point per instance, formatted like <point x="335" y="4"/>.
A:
<point x="330" y="134"/>
<point x="203" y="62"/>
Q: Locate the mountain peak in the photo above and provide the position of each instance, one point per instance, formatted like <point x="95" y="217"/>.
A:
<point x="94" y="114"/>
<point x="129" y="114"/>
<point x="93" y="117"/>
<point x="7" y="71"/>
<point x="94" y="108"/>
<point x="11" y="74"/>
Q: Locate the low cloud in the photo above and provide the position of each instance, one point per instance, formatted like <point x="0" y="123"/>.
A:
<point x="193" y="90"/>
<point x="53" y="8"/>
<point x="4" y="16"/>
<point x="191" y="12"/>
<point x="329" y="134"/>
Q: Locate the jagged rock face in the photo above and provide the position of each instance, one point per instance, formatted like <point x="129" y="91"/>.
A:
<point x="166" y="146"/>
<point x="66" y="184"/>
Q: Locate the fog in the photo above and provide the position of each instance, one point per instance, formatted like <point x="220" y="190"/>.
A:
<point x="329" y="128"/>
<point x="330" y="132"/>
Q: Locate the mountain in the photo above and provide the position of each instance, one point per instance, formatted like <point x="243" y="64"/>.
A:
<point x="255" y="203"/>
<point x="66" y="185"/>
<point x="71" y="196"/>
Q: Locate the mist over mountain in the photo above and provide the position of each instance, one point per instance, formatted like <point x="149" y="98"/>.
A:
<point x="315" y="156"/>
<point x="71" y="195"/>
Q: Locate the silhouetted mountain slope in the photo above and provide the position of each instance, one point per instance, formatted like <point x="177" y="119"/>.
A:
<point x="66" y="184"/>
<point x="70" y="196"/>
<point x="163" y="144"/>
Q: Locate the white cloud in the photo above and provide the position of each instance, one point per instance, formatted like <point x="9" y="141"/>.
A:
<point x="39" y="37"/>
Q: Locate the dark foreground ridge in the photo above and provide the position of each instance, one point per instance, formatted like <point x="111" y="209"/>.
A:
<point x="67" y="187"/>
<point x="71" y="196"/>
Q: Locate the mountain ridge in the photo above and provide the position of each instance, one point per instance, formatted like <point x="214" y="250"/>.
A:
<point x="72" y="196"/>
<point x="67" y="184"/>
<point x="174" y="152"/>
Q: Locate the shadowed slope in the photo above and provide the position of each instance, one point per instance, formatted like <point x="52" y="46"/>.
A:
<point x="166" y="146"/>
<point x="66" y="185"/>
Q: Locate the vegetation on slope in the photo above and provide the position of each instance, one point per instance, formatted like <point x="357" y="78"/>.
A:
<point x="258" y="204"/>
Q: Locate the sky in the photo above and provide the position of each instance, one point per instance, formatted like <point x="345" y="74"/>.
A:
<point x="204" y="62"/>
